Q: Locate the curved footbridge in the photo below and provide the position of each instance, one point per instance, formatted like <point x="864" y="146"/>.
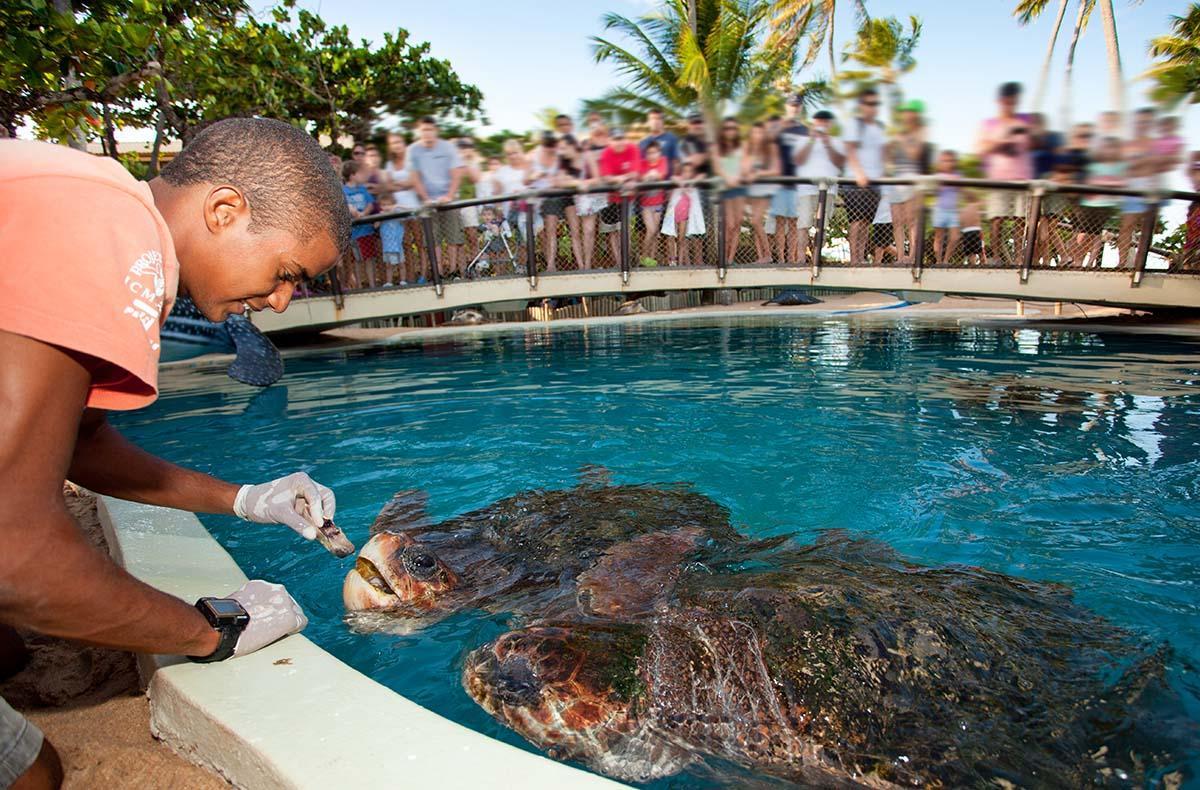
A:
<point x="1147" y="290"/>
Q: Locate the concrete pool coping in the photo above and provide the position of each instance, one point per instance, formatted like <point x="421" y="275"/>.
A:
<point x="291" y="715"/>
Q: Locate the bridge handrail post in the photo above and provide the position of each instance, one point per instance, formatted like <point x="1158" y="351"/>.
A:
<point x="821" y="220"/>
<point x="435" y="270"/>
<point x="335" y="284"/>
<point x="923" y="185"/>
<point x="626" y="208"/>
<point x="530" y="248"/>
<point x="722" y="260"/>
<point x="1149" y="220"/>
<point x="1032" y="217"/>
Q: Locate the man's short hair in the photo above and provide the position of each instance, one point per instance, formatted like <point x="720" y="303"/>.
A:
<point x="1145" y="111"/>
<point x="1010" y="89"/>
<point x="865" y="92"/>
<point x="562" y="116"/>
<point x="427" y="119"/>
<point x="653" y="111"/>
<point x="283" y="173"/>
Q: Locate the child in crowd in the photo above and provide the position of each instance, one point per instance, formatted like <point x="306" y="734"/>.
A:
<point x="970" y="216"/>
<point x="945" y="208"/>
<point x="1057" y="209"/>
<point x="363" y="241"/>
<point x="684" y="217"/>
<point x="653" y="167"/>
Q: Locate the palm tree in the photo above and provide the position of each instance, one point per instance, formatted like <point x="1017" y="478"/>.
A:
<point x="1177" y="75"/>
<point x="1116" y="80"/>
<point x="795" y="21"/>
<point x="883" y="48"/>
<point x="1027" y="11"/>
<point x="688" y="55"/>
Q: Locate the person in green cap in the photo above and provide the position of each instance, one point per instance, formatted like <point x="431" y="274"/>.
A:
<point x="908" y="154"/>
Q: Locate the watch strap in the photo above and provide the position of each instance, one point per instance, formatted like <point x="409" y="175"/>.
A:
<point x="229" y="633"/>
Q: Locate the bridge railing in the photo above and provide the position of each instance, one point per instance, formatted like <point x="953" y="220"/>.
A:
<point x="919" y="223"/>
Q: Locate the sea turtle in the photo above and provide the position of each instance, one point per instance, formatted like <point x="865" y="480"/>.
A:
<point x="520" y="554"/>
<point x="836" y="664"/>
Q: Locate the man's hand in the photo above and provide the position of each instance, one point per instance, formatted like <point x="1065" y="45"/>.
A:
<point x="273" y="615"/>
<point x="296" y="500"/>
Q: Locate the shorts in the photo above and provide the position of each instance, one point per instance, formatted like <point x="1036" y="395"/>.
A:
<point x="733" y="194"/>
<point x="469" y="216"/>
<point x="1006" y="203"/>
<point x="448" y="227"/>
<point x="901" y="193"/>
<point x="861" y="203"/>
<point x="1134" y="205"/>
<point x="20" y="742"/>
<point x="589" y="204"/>
<point x="882" y="235"/>
<point x="555" y="206"/>
<point x="806" y="209"/>
<point x="945" y="217"/>
<point x="392" y="233"/>
<point x="971" y="243"/>
<point x="759" y="191"/>
<point x="611" y="214"/>
<point x="365" y="247"/>
<point x="783" y="203"/>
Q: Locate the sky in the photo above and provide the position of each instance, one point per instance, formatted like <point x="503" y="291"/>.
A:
<point x="529" y="54"/>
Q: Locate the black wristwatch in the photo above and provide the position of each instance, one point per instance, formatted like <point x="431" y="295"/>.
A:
<point x="229" y="619"/>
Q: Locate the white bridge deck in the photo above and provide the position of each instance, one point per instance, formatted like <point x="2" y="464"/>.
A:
<point x="1152" y="290"/>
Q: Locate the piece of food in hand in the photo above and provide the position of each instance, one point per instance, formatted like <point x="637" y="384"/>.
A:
<point x="334" y="539"/>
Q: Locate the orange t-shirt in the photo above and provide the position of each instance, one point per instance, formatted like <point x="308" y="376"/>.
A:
<point x="87" y="264"/>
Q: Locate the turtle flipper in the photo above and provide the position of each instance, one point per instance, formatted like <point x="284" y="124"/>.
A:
<point x="594" y="476"/>
<point x="406" y="510"/>
<point x="637" y="577"/>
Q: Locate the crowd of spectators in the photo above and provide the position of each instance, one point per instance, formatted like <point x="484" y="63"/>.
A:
<point x="968" y="224"/>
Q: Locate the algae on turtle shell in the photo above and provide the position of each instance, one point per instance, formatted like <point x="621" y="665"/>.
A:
<point x="840" y="663"/>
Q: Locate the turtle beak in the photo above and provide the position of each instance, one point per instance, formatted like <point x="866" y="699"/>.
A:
<point x="375" y="579"/>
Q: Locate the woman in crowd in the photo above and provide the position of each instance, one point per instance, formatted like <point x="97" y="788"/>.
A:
<point x="570" y="171"/>
<point x="395" y="231"/>
<point x="510" y="180"/>
<point x="729" y="166"/>
<point x="543" y="173"/>
<point x="1106" y="169"/>
<point x="760" y="159"/>
<point x="909" y="155"/>
<point x="589" y="204"/>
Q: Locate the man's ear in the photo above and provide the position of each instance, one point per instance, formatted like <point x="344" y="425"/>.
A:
<point x="224" y="207"/>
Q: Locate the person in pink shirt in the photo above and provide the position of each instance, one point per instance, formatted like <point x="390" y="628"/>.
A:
<point x="620" y="164"/>
<point x="1006" y="148"/>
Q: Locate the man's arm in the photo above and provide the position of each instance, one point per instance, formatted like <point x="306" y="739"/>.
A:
<point x="108" y="463"/>
<point x="456" y="174"/>
<point x="51" y="579"/>
<point x="418" y="183"/>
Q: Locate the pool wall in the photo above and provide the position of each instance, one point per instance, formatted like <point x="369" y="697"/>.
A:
<point x="291" y="715"/>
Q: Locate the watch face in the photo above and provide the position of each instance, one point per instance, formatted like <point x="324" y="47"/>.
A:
<point x="225" y="608"/>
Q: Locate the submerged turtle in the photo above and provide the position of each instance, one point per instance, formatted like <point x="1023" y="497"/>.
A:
<point x="520" y="554"/>
<point x="837" y="664"/>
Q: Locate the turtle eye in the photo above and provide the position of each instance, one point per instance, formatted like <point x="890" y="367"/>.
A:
<point x="421" y="564"/>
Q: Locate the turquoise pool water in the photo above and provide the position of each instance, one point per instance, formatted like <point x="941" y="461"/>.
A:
<point x="1058" y="456"/>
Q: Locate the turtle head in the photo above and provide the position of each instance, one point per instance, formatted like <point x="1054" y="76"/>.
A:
<point x="573" y="691"/>
<point x="396" y="571"/>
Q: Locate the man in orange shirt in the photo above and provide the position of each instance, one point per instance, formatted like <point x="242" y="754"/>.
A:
<point x="90" y="260"/>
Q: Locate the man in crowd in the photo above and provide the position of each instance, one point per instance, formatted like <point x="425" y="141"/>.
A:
<point x="1006" y="148"/>
<point x="668" y="143"/>
<point x="620" y="164"/>
<point x="436" y="171"/>
<point x="792" y="133"/>
<point x="564" y="127"/>
<point x="248" y="210"/>
<point x="820" y="156"/>
<point x="864" y="139"/>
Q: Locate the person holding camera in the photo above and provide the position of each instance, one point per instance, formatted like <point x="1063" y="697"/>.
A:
<point x="1006" y="148"/>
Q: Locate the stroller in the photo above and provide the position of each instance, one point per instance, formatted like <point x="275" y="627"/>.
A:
<point x="496" y="235"/>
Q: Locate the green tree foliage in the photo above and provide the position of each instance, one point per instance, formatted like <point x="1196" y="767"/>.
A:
<point x="177" y="65"/>
<point x="883" y="51"/>
<point x="689" y="55"/>
<point x="1176" y="75"/>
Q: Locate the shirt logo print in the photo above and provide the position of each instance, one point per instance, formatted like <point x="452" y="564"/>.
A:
<point x="147" y="288"/>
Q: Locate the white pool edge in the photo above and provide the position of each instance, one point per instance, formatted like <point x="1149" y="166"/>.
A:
<point x="292" y="715"/>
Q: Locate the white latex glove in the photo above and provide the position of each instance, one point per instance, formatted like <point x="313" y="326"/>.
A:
<point x="273" y="615"/>
<point x="296" y="500"/>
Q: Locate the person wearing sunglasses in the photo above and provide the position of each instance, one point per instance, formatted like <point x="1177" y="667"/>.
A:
<point x="865" y="141"/>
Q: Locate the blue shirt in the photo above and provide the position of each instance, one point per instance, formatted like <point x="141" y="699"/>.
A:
<point x="669" y="144"/>
<point x="359" y="198"/>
